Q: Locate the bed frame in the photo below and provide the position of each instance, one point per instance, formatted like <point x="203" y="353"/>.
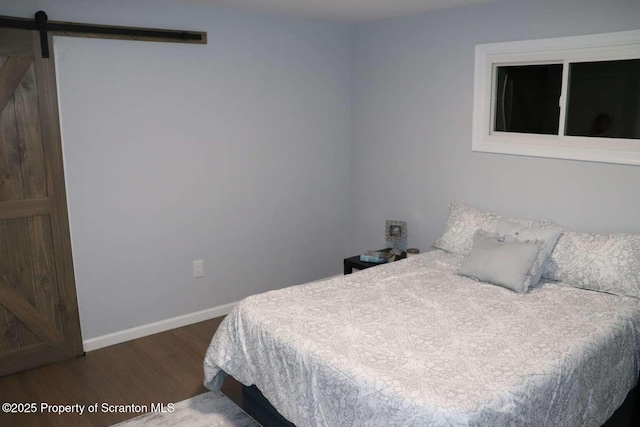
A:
<point x="258" y="407"/>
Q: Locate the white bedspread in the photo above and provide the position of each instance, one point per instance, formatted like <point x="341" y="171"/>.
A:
<point x="412" y="343"/>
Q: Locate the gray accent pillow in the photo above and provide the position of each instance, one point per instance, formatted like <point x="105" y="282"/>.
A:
<point x="501" y="260"/>
<point x="464" y="221"/>
<point x="599" y="262"/>
<point x="548" y="237"/>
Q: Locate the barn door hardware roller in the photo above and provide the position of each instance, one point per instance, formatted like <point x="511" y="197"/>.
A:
<point x="42" y="24"/>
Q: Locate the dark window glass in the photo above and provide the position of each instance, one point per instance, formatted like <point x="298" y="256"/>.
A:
<point x="527" y="98"/>
<point x="604" y="99"/>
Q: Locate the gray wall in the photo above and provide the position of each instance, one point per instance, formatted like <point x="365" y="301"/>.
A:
<point x="283" y="145"/>
<point x="235" y="152"/>
<point x="411" y="125"/>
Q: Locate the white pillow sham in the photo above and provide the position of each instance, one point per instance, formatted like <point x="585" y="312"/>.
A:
<point x="464" y="221"/>
<point x="548" y="237"/>
<point x="599" y="262"/>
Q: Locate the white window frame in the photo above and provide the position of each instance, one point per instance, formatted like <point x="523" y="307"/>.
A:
<point x="565" y="50"/>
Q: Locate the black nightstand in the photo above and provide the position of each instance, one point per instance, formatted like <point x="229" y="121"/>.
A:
<point x="354" y="262"/>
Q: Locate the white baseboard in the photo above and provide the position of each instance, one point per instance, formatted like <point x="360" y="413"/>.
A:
<point x="154" y="328"/>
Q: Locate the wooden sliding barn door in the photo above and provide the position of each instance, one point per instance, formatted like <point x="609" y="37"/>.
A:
<point x="39" y="320"/>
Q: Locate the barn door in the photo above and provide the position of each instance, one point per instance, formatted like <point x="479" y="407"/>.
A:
<point x="39" y="320"/>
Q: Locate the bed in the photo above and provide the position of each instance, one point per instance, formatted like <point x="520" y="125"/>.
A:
<point x="414" y="342"/>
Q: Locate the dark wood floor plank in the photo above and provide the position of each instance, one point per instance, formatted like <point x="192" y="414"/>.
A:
<point x="161" y="368"/>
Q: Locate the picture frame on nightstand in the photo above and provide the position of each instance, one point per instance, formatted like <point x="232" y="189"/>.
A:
<point x="395" y="232"/>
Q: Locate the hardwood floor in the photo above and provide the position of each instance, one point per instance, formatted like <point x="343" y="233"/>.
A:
<point x="161" y="368"/>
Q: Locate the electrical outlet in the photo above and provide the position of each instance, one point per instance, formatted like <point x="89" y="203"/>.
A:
<point x="198" y="268"/>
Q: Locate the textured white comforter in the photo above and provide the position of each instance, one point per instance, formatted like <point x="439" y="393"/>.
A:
<point x="412" y="343"/>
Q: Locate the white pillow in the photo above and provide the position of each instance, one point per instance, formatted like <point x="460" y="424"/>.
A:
<point x="548" y="236"/>
<point x="464" y="221"/>
<point x="599" y="262"/>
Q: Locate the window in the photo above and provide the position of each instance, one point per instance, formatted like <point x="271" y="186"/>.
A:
<point x="573" y="98"/>
<point x="527" y="98"/>
<point x="604" y="99"/>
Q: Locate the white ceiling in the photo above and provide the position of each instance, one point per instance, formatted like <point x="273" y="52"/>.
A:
<point x="347" y="10"/>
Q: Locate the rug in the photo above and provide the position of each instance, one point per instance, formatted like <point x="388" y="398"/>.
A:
<point x="211" y="409"/>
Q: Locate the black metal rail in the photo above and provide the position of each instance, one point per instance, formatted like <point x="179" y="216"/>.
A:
<point x="43" y="25"/>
